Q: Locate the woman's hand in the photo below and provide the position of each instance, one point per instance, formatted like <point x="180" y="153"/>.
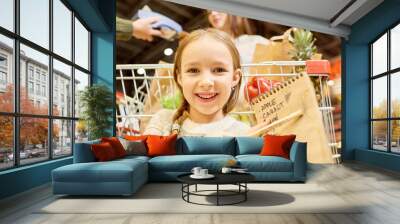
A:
<point x="143" y="30"/>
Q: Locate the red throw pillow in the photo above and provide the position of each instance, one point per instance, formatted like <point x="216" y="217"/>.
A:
<point x="103" y="152"/>
<point x="161" y="145"/>
<point x="116" y="145"/>
<point x="275" y="145"/>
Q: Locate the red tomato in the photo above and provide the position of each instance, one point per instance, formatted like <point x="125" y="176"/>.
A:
<point x="250" y="92"/>
<point x="258" y="86"/>
<point x="262" y="84"/>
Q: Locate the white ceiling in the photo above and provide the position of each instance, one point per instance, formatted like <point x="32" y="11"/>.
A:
<point x="321" y="9"/>
<point x="318" y="15"/>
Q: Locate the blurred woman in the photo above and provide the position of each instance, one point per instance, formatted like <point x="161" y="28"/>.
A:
<point x="241" y="29"/>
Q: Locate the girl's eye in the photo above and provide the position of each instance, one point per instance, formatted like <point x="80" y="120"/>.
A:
<point x="220" y="70"/>
<point x="192" y="70"/>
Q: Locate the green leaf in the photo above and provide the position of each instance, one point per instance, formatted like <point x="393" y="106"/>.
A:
<point x="96" y="102"/>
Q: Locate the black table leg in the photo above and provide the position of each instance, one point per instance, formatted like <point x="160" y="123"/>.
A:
<point x="188" y="189"/>
<point x="242" y="191"/>
<point x="182" y="190"/>
<point x="217" y="194"/>
<point x="245" y="193"/>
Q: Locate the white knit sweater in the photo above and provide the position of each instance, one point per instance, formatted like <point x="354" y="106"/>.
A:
<point x="161" y="124"/>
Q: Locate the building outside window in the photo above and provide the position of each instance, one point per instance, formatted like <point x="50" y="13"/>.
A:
<point x="57" y="128"/>
<point x="30" y="88"/>
<point x="3" y="60"/>
<point x="3" y="72"/>
<point x="43" y="90"/>
<point x="37" y="89"/>
<point x="30" y="72"/>
<point x="37" y="75"/>
<point x="43" y="78"/>
<point x="3" y="81"/>
<point x="385" y="95"/>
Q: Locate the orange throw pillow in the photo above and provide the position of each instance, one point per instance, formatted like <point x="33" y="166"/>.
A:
<point x="116" y="145"/>
<point x="103" y="152"/>
<point x="161" y="145"/>
<point x="136" y="137"/>
<point x="275" y="145"/>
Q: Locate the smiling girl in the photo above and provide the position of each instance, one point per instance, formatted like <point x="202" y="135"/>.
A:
<point x="207" y="71"/>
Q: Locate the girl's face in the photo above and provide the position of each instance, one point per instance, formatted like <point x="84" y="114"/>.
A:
<point x="217" y="19"/>
<point x="207" y="77"/>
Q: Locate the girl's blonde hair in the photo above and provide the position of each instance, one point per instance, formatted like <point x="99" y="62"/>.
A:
<point x="182" y="112"/>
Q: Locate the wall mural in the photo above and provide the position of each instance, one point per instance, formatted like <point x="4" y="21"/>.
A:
<point x="194" y="72"/>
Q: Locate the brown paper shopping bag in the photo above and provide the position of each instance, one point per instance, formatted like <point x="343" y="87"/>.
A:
<point x="158" y="88"/>
<point x="295" y="96"/>
<point x="278" y="49"/>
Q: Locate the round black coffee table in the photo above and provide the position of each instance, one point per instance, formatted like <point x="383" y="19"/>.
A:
<point x="238" y="179"/>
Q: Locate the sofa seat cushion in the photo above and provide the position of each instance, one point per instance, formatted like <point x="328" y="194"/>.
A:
<point x="112" y="171"/>
<point x="249" y="145"/>
<point x="257" y="163"/>
<point x="198" y="145"/>
<point x="185" y="163"/>
<point x="133" y="158"/>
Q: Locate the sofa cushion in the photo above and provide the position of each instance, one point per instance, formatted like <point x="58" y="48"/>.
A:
<point x="112" y="171"/>
<point x="103" y="151"/>
<point x="137" y="147"/>
<point x="277" y="145"/>
<point x="257" y="163"/>
<point x="132" y="158"/>
<point x="116" y="145"/>
<point x="83" y="152"/>
<point x="248" y="145"/>
<point x="185" y="163"/>
<point x="190" y="145"/>
<point x="136" y="137"/>
<point x="161" y="145"/>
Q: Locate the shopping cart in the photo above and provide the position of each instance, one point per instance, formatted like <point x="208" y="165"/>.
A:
<point x="149" y="83"/>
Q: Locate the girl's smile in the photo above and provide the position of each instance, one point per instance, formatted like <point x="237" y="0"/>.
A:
<point x="206" y="97"/>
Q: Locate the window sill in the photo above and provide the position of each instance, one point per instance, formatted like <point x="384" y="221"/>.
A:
<point x="26" y="167"/>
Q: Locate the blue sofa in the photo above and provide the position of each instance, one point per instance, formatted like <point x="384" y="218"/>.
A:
<point x="125" y="176"/>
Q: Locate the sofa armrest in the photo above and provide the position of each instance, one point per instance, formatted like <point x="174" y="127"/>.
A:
<point x="83" y="152"/>
<point x="298" y="155"/>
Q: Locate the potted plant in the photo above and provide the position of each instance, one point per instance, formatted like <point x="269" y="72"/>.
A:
<point x="96" y="103"/>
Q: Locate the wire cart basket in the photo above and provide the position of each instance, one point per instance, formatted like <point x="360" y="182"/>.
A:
<point x="149" y="87"/>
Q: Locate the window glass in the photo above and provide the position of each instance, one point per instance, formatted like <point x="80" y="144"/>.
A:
<point x="395" y="136"/>
<point x="395" y="94"/>
<point x="81" y="81"/>
<point x="7" y="14"/>
<point x="62" y="29"/>
<point x="395" y="47"/>
<point x="34" y="21"/>
<point x="33" y="140"/>
<point x="6" y="74"/>
<point x="81" y="131"/>
<point x="81" y="45"/>
<point x="62" y="91"/>
<point x="34" y="80"/>
<point x="379" y="135"/>
<point x="62" y="138"/>
<point x="6" y="142"/>
<point x="379" y="56"/>
<point x="39" y="62"/>
<point x="379" y="98"/>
